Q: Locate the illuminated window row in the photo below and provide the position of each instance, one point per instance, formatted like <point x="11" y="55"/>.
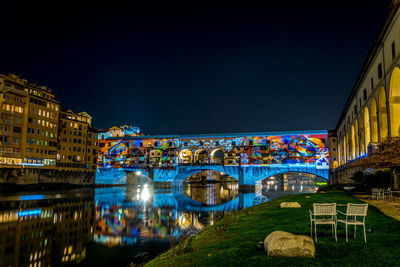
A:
<point x="4" y="149"/>
<point x="41" y="151"/>
<point x="46" y="114"/>
<point x="44" y="133"/>
<point x="31" y="141"/>
<point x="43" y="103"/>
<point x="12" y="108"/>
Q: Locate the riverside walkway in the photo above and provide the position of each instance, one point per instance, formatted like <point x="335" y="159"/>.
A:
<point x="389" y="208"/>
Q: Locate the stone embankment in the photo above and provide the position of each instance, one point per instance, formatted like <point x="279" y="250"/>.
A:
<point x="27" y="176"/>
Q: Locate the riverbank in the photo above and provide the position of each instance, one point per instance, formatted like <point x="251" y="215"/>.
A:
<point x="233" y="240"/>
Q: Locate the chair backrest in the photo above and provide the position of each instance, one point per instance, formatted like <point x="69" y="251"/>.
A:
<point x="356" y="209"/>
<point x="324" y="209"/>
<point x="376" y="190"/>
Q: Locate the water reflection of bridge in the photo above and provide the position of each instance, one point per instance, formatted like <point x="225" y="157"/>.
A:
<point x="180" y="201"/>
<point x="174" y="200"/>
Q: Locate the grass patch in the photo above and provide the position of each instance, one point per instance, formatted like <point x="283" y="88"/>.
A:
<point x="237" y="244"/>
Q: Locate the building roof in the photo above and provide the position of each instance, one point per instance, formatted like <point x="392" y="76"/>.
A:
<point x="222" y="135"/>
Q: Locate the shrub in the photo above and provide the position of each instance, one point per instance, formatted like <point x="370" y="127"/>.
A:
<point x="375" y="179"/>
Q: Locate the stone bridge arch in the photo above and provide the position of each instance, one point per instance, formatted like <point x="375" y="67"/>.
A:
<point x="254" y="176"/>
<point x="186" y="171"/>
<point x="245" y="175"/>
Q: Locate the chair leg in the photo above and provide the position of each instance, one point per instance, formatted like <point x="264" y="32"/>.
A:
<point x="347" y="240"/>
<point x="355" y="231"/>
<point x="315" y="232"/>
<point x="336" y="232"/>
<point x="365" y="234"/>
<point x="332" y="231"/>
<point x="311" y="227"/>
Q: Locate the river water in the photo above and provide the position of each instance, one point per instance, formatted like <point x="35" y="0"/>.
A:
<point x="116" y="225"/>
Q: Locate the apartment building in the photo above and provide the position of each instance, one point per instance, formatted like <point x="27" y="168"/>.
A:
<point x="29" y="122"/>
<point x="35" y="133"/>
<point x="78" y="145"/>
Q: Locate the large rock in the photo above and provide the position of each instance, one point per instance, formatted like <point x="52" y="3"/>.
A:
<point x="290" y="205"/>
<point x="284" y="244"/>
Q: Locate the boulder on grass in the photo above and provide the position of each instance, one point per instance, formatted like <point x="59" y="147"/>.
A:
<point x="290" y="205"/>
<point x="284" y="244"/>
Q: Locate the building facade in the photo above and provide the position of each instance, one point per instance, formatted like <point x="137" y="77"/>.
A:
<point x="372" y="111"/>
<point x="29" y="123"/>
<point x="36" y="135"/>
<point x="78" y="145"/>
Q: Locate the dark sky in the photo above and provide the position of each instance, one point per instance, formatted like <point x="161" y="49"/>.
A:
<point x="194" y="67"/>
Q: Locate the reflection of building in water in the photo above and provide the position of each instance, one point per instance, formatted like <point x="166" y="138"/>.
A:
<point x="212" y="194"/>
<point x="125" y="224"/>
<point x="187" y="219"/>
<point x="26" y="237"/>
<point x="74" y="222"/>
<point x="288" y="183"/>
<point x="209" y="175"/>
<point x="291" y="178"/>
<point x="43" y="233"/>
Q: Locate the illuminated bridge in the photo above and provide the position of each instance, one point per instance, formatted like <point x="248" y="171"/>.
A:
<point x="247" y="157"/>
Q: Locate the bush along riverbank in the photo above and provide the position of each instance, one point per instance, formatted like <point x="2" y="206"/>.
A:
<point x="235" y="239"/>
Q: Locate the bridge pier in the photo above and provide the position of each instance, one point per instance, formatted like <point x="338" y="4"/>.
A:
<point x="258" y="189"/>
<point x="241" y="176"/>
<point x="151" y="173"/>
<point x="177" y="185"/>
<point x="241" y="201"/>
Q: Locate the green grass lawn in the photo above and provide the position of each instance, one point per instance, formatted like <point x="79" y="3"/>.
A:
<point x="238" y="244"/>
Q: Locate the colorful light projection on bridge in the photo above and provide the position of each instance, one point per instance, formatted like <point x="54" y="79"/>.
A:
<point x="288" y="149"/>
<point x="264" y="150"/>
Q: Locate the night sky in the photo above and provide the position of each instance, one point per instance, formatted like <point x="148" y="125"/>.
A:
<point x="194" y="67"/>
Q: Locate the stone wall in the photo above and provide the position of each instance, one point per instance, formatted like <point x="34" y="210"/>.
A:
<point x="25" y="176"/>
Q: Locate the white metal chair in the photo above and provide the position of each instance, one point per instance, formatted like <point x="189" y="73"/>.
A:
<point x="376" y="193"/>
<point x="353" y="211"/>
<point x="388" y="194"/>
<point x="327" y="215"/>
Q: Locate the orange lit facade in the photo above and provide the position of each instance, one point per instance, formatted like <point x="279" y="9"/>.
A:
<point x="29" y="124"/>
<point x="34" y="133"/>
<point x="78" y="145"/>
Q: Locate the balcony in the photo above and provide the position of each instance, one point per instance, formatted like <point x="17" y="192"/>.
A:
<point x="16" y="91"/>
<point x="5" y="144"/>
<point x="8" y="154"/>
<point x="6" y="111"/>
<point x="8" y="122"/>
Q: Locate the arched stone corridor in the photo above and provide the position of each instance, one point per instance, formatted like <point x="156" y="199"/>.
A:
<point x="394" y="102"/>
<point x="383" y="133"/>
<point x="374" y="121"/>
